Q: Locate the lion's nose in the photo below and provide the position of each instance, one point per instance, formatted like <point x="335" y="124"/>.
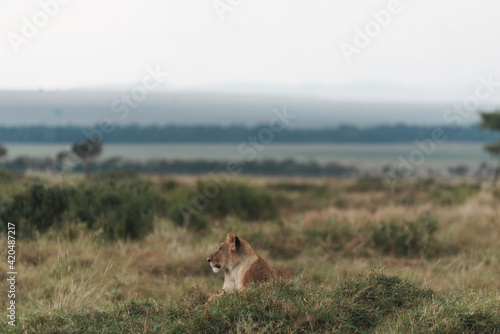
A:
<point x="209" y="260"/>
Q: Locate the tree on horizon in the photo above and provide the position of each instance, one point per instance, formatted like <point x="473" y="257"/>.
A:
<point x="3" y="151"/>
<point x="491" y="121"/>
<point x="87" y="151"/>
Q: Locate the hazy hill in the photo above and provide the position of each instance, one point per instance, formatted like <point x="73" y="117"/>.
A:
<point x="182" y="108"/>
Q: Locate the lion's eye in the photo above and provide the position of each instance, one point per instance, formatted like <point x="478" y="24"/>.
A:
<point x="219" y="249"/>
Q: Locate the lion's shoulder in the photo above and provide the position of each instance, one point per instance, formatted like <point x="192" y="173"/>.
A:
<point x="259" y="271"/>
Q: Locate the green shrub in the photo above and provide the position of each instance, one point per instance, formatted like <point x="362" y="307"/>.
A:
<point x="82" y="205"/>
<point x="118" y="209"/>
<point x="410" y="239"/>
<point x="8" y="176"/>
<point x="496" y="193"/>
<point x="239" y="199"/>
<point x="368" y="183"/>
<point x="126" y="214"/>
<point x="331" y="234"/>
<point x="447" y="194"/>
<point x="180" y="208"/>
<point x="35" y="209"/>
<point x="170" y="185"/>
<point x="192" y="220"/>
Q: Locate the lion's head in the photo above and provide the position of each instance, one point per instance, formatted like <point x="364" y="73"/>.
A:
<point x="226" y="255"/>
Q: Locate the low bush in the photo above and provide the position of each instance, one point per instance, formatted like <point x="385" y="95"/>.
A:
<point x="331" y="235"/>
<point x="170" y="185"/>
<point x="448" y="194"/>
<point x="8" y="176"/>
<point x="35" y="209"/>
<point x="126" y="214"/>
<point x="365" y="184"/>
<point x="411" y="238"/>
<point x="238" y="199"/>
<point x="117" y="209"/>
<point x="496" y="193"/>
<point x="188" y="218"/>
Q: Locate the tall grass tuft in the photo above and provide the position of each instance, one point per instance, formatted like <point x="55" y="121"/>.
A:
<point x="411" y="238"/>
<point x="81" y="289"/>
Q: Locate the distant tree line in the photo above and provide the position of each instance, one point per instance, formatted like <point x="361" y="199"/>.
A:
<point x="288" y="167"/>
<point x="233" y="134"/>
<point x="162" y="166"/>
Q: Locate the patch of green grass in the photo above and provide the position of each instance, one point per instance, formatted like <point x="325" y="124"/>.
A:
<point x="8" y="176"/>
<point x="411" y="238"/>
<point x="496" y="193"/>
<point x="449" y="194"/>
<point x="366" y="184"/>
<point x="467" y="313"/>
<point x="367" y="302"/>
<point x="332" y="235"/>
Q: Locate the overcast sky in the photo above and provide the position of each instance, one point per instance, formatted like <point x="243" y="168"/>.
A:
<point x="91" y="43"/>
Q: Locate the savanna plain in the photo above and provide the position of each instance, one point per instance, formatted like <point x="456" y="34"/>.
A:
<point x="121" y="253"/>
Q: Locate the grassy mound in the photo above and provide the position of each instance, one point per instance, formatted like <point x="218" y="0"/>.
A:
<point x="362" y="303"/>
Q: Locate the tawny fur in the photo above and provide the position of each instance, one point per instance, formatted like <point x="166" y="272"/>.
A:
<point x="242" y="265"/>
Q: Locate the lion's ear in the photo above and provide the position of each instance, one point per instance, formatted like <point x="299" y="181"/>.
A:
<point x="233" y="241"/>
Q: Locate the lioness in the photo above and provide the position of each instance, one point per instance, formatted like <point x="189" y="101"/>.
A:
<point x="241" y="264"/>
